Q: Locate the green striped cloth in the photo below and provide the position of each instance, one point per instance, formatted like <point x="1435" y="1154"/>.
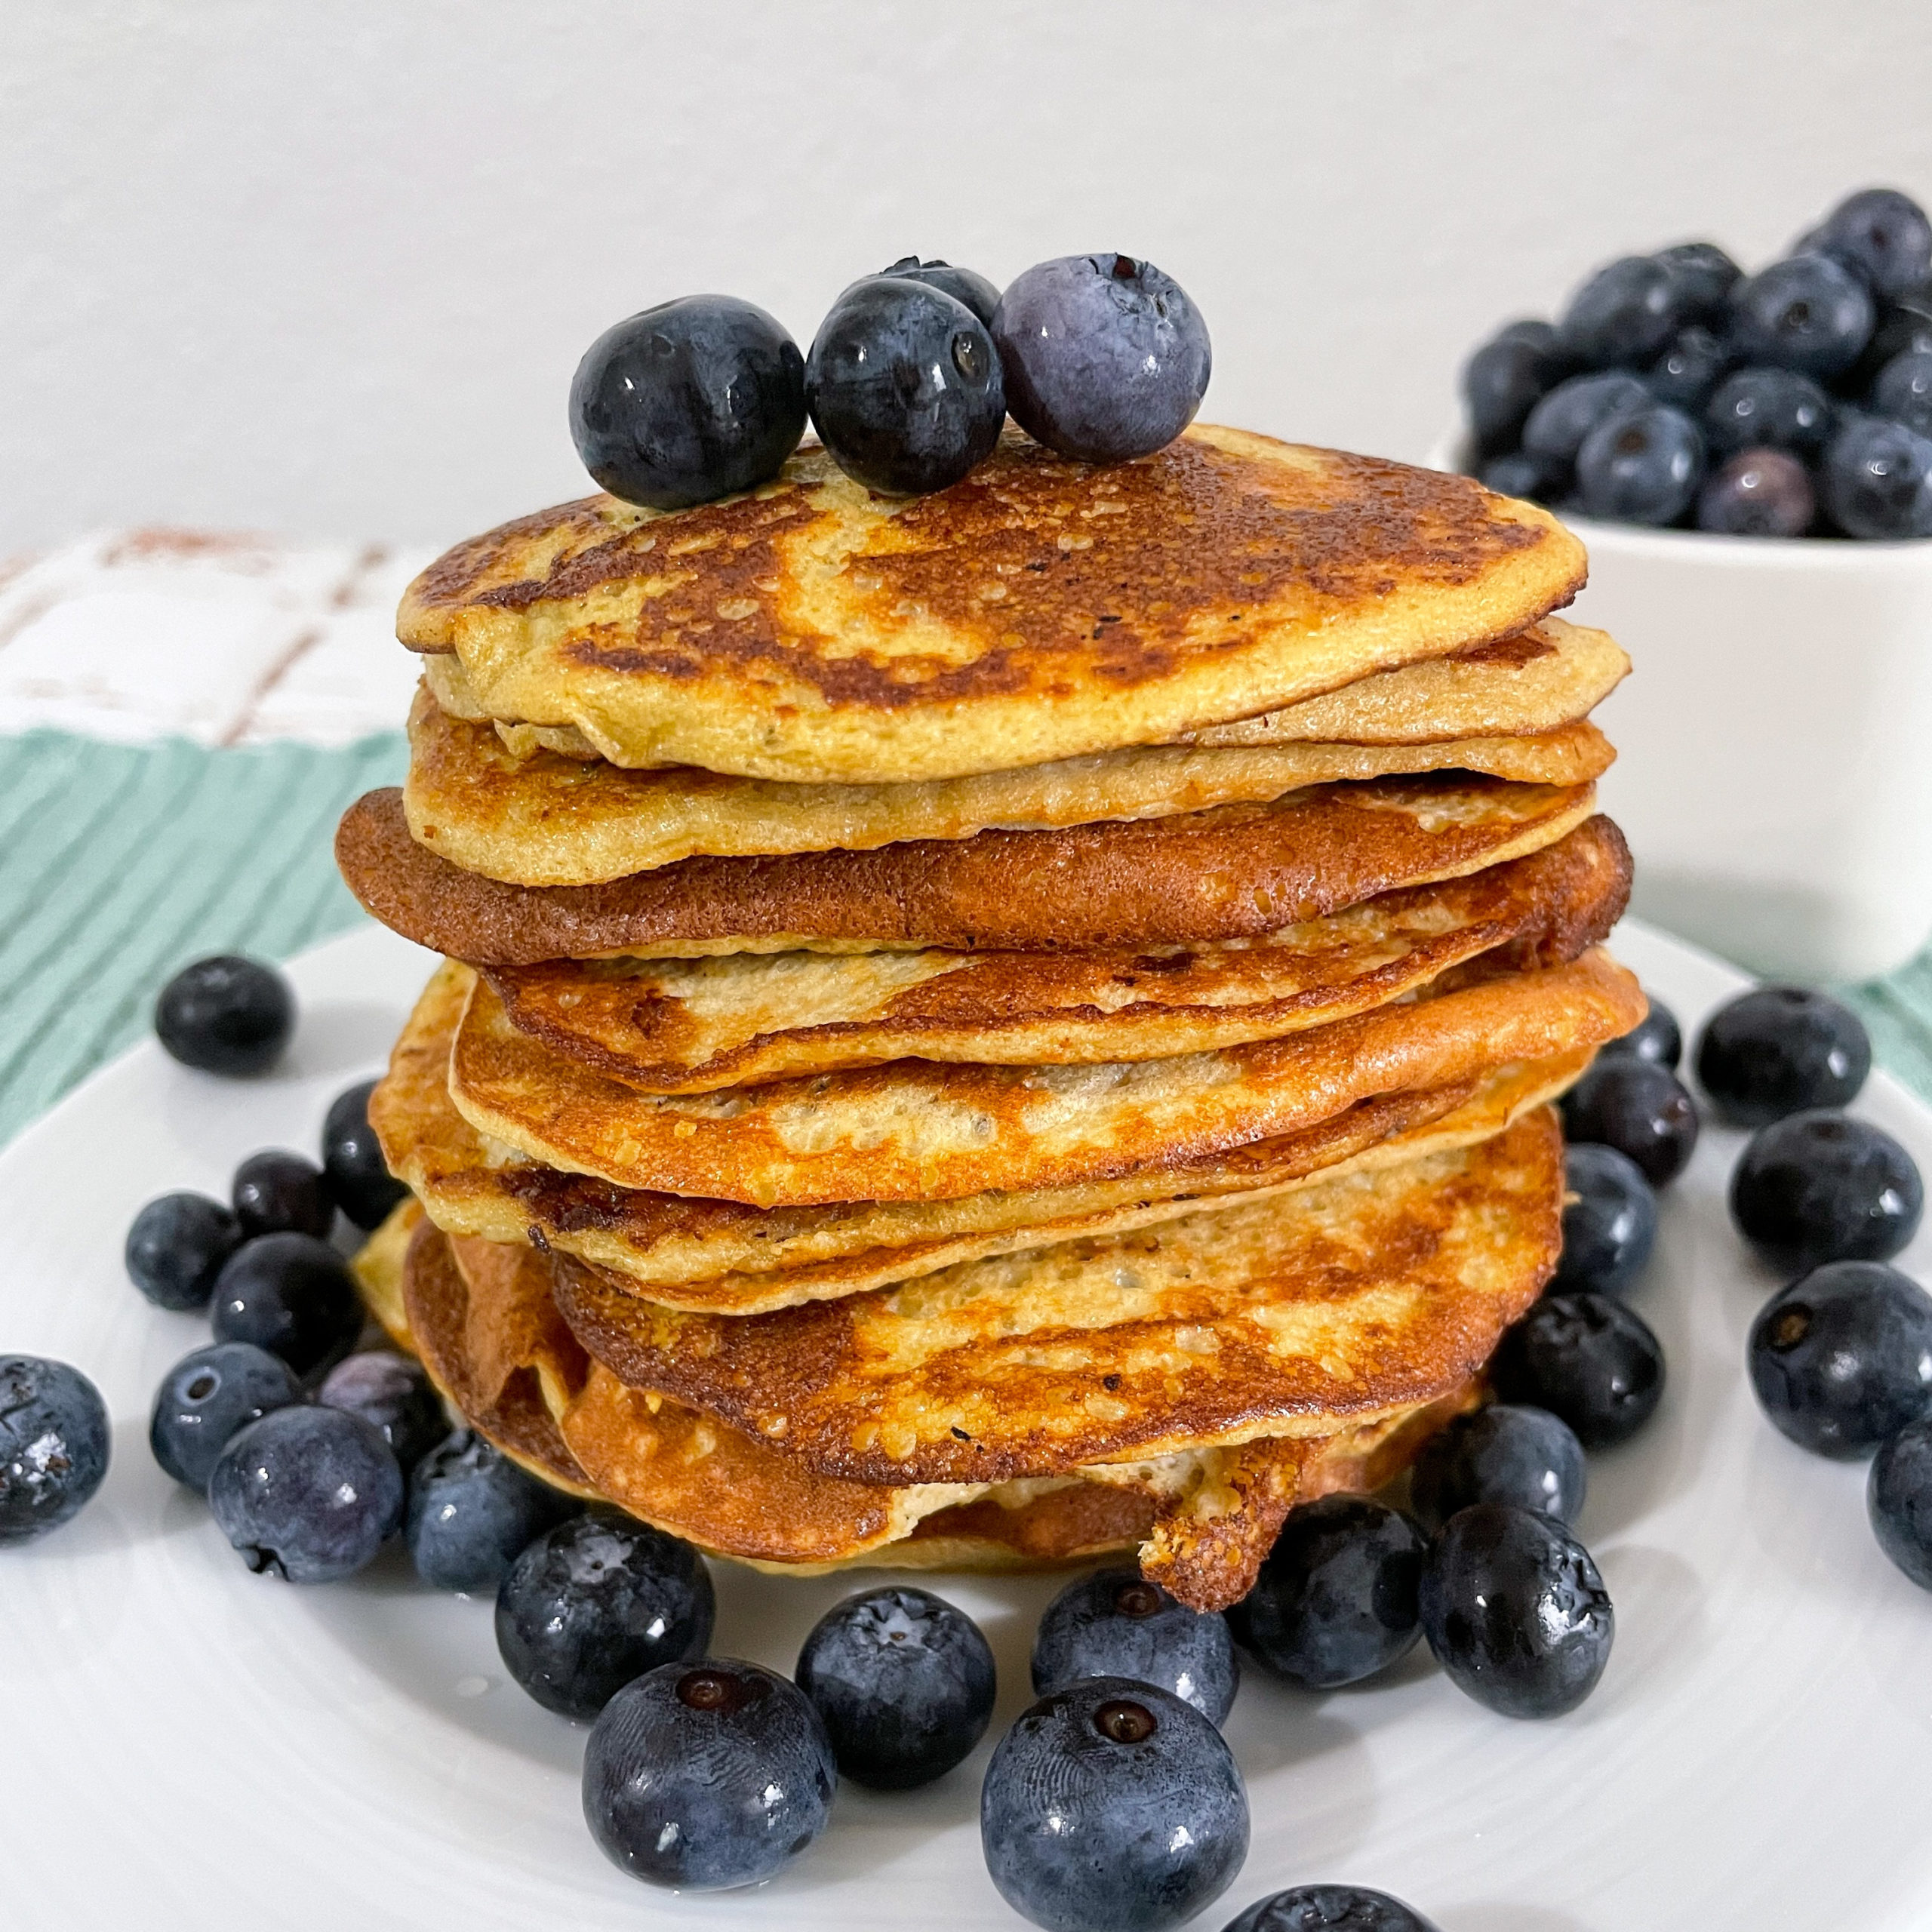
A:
<point x="119" y="863"/>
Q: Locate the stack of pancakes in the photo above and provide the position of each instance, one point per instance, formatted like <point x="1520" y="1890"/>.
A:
<point x="996" y="1028"/>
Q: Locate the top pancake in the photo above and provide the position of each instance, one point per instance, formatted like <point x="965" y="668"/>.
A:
<point x="1040" y="609"/>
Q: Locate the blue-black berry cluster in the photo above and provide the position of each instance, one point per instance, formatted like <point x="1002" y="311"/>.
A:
<point x="1675" y="390"/>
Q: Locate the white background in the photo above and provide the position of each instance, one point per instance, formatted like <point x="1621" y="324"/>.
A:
<point x="325" y="270"/>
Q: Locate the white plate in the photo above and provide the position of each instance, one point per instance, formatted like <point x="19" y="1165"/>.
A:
<point x="186" y="1746"/>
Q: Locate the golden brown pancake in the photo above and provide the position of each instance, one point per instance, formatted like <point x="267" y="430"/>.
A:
<point x="1239" y="872"/>
<point x="812" y="632"/>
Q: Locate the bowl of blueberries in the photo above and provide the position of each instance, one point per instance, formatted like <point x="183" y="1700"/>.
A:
<point x="1749" y="457"/>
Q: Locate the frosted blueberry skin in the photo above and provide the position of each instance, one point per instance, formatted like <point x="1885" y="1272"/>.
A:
<point x="1507" y="1453"/>
<point x="206" y="1398"/>
<point x="1516" y="1611"/>
<point x="1705" y="275"/>
<point x="1882" y="235"/>
<point x="1626" y="311"/>
<point x="1821" y="1186"/>
<point x="308" y="1494"/>
<point x="1781" y="1050"/>
<point x="1642" y="468"/>
<point x="393" y="1391"/>
<point x="1111" y="1807"/>
<point x="687" y="401"/>
<point x="1609" y="1226"/>
<point x="55" y="1440"/>
<point x="962" y="284"/>
<point x="176" y="1246"/>
<point x="1506" y="378"/>
<point x="358" y="1177"/>
<point x="1765" y="408"/>
<point x="1806" y="313"/>
<point x="1106" y="358"/>
<point x="1842" y="1358"/>
<point x="1557" y="426"/>
<point x="1898" y="1494"/>
<point x="1591" y="1361"/>
<point x="703" y="1776"/>
<point x="472" y="1512"/>
<point x="1330" y="1909"/>
<point x="291" y="1294"/>
<point x="1903" y="390"/>
<point x="227" y="1015"/>
<point x="1117" y="1624"/>
<point x="277" y="1193"/>
<point x="1877" y="480"/>
<point x="1687" y="372"/>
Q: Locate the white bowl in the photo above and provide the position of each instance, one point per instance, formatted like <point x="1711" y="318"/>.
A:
<point x="1774" y="740"/>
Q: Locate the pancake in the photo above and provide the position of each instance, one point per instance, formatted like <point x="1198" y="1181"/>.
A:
<point x="1346" y="1302"/>
<point x="812" y="632"/>
<point x="918" y="1131"/>
<point x="1239" y="871"/>
<point x="687" y="1026"/>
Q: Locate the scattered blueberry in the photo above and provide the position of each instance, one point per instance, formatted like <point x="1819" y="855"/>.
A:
<point x="54" y="1443"/>
<point x="1106" y="358"/>
<point x="1705" y="276"/>
<point x="1329" y="1909"/>
<point x="358" y="1177"/>
<point x="599" y="1600"/>
<point x="306" y="1493"/>
<point x="702" y="1776"/>
<point x="1559" y="425"/>
<point x="1769" y="409"/>
<point x="226" y="1015"/>
<point x="962" y="284"/>
<point x="1516" y="1611"/>
<point x="291" y="1294"/>
<point x="1111" y="1807"/>
<point x="1610" y="1220"/>
<point x="1655" y="1036"/>
<point x="393" y="1391"/>
<point x="1902" y="391"/>
<point x="1687" y="372"/>
<point x="1757" y="493"/>
<point x="277" y="1193"/>
<point x="1506" y="379"/>
<point x="1591" y="1361"/>
<point x="904" y="386"/>
<point x="1780" y="1049"/>
<point x="1639" y="1108"/>
<point x="1503" y="1454"/>
<point x="208" y="1395"/>
<point x="1821" y="1186"/>
<point x="175" y="1248"/>
<point x="1625" y="312"/>
<point x="1336" y="1599"/>
<point x="1883" y="235"/>
<point x="902" y="1682"/>
<point x="1641" y="468"/>
<point x="471" y="1512"/>
<point x="1842" y="1358"/>
<point x="1898" y="1494"/>
<point x="1877" y="480"/>
<point x="687" y="401"/>
<point x="1117" y="1624"/>
<point x="1806" y="313"/>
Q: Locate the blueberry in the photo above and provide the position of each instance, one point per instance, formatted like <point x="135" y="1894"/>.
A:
<point x="1505" y="379"/>
<point x="1705" y="276"/>
<point x="1902" y="391"/>
<point x="1842" y="1358"/>
<point x="1898" y="1495"/>
<point x="1503" y="1454"/>
<point x="308" y="1494"/>
<point x="1117" y="1624"/>
<point x="1516" y="1611"/>
<point x="54" y="1443"/>
<point x="1883" y="235"/>
<point x="1687" y="372"/>
<point x="904" y="386"/>
<point x="1106" y="357"/>
<point x="226" y="1015"/>
<point x="1820" y="1186"/>
<point x="1625" y="312"/>
<point x="1517" y="473"/>
<point x="701" y="1776"/>
<point x="962" y="284"/>
<point x="902" y="1682"/>
<point x="1610" y="1220"/>
<point x="291" y="1294"/>
<point x="1113" y="1807"/>
<point x="206" y="1397"/>
<point x="358" y="1177"/>
<point x="471" y="1512"/>
<point x="1877" y="480"/>
<point x="1757" y="493"/>
<point x="1768" y="409"/>
<point x="1905" y="328"/>
<point x="689" y="401"/>
<point x="1591" y="1361"/>
<point x="1639" y="1108"/>
<point x="1329" y="1909"/>
<point x="175" y="1248"/>
<point x="1336" y="1599"/>
<point x="1806" y="313"/>
<point x="1656" y="1037"/>
<point x="393" y="1391"/>
<point x="1559" y="425"/>
<point x="600" y="1600"/>
<point x="277" y="1193"/>
<point x="1778" y="1051"/>
<point x="1641" y="468"/>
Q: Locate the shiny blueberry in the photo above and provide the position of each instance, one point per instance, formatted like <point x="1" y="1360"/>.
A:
<point x="1515" y="1611"/>
<point x="55" y="1439"/>
<point x="358" y="1177"/>
<point x="472" y="1512"/>
<point x="1329" y="1909"/>
<point x="175" y="1248"/>
<point x="1336" y="1599"/>
<point x="1883" y="235"/>
<point x="278" y="1192"/>
<point x="291" y="1294"/>
<point x="1590" y="1361"/>
<point x="1506" y="379"/>
<point x="227" y="1015"/>
<point x="904" y="386"/>
<point x="687" y="401"/>
<point x="1780" y="1049"/>
<point x="1821" y="1186"/>
<point x="1117" y="1624"/>
<point x="1559" y="425"/>
<point x="393" y="1391"/>
<point x="1106" y="357"/>
<point x="1905" y="328"/>
<point x="1877" y="480"/>
<point x="903" y="1683"/>
<point x="962" y="284"/>
<point x="1642" y="468"/>
<point x="1610" y="1220"/>
<point x="1768" y="409"/>
<point x="1898" y="1495"/>
<point x="1705" y="276"/>
<point x="1503" y="1454"/>
<point x="1902" y="391"/>
<point x="1842" y="1358"/>
<point x="1517" y="473"/>
<point x="1625" y="312"/>
<point x="600" y="1600"/>
<point x="1656" y="1037"/>
<point x="1757" y="493"/>
<point x="1639" y="1108"/>
<point x="1806" y="312"/>
<point x="1111" y="1807"/>
<point x="1684" y="375"/>
<point x="206" y="1397"/>
<point x="702" y="1776"/>
<point x="308" y="1494"/>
